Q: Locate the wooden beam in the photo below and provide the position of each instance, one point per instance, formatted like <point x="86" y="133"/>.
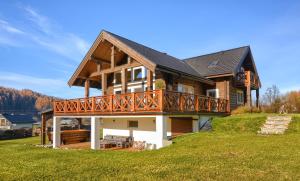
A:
<point x="112" y="58"/>
<point x="98" y="67"/>
<point x="87" y="88"/>
<point x="99" y="60"/>
<point x="115" y="69"/>
<point x="149" y="80"/>
<point x="43" y="130"/>
<point x="129" y="60"/>
<point x="124" y="80"/>
<point x="104" y="83"/>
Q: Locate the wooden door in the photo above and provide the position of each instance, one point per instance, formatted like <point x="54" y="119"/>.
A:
<point x="180" y="126"/>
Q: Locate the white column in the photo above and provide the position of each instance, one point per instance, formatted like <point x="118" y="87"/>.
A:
<point x="161" y="131"/>
<point x="195" y="125"/>
<point x="56" y="132"/>
<point x="95" y="133"/>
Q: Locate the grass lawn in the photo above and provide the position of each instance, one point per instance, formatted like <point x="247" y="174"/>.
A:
<point x="233" y="151"/>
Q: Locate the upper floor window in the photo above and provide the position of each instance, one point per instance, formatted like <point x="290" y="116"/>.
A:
<point x="137" y="74"/>
<point x="213" y="93"/>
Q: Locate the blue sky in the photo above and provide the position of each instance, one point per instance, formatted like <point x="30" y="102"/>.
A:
<point x="42" y="42"/>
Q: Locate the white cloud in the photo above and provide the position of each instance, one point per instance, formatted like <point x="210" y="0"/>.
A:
<point x="4" y="25"/>
<point x="40" y="31"/>
<point x="29" y="80"/>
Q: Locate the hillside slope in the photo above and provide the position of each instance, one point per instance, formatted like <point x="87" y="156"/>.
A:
<point x="23" y="101"/>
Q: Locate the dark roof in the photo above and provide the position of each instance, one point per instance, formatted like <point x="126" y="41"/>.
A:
<point x="18" y="118"/>
<point x="161" y="59"/>
<point x="223" y="62"/>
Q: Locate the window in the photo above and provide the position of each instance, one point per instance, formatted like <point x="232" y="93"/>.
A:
<point x="137" y="74"/>
<point x="240" y="97"/>
<point x="213" y="64"/>
<point x="133" y="124"/>
<point x="185" y="88"/>
<point x="128" y="75"/>
<point x="213" y="93"/>
<point x="2" y="122"/>
<point x="117" y="78"/>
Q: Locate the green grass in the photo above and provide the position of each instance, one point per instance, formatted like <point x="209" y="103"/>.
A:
<point x="232" y="151"/>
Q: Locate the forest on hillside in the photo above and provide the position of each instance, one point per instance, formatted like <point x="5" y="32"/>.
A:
<point x="23" y="101"/>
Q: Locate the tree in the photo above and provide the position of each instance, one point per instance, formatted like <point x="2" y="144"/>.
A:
<point x="271" y="99"/>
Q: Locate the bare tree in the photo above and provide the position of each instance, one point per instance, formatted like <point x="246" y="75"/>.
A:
<point x="271" y="99"/>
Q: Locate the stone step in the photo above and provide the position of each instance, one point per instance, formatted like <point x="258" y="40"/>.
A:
<point x="275" y="125"/>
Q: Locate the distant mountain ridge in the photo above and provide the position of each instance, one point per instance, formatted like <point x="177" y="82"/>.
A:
<point x="23" y="101"/>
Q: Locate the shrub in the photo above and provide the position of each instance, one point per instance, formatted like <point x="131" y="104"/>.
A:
<point x="246" y="109"/>
<point x="160" y="84"/>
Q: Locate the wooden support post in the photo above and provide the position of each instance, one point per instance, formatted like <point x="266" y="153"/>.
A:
<point x="124" y="80"/>
<point x="257" y="98"/>
<point x="104" y="83"/>
<point x="87" y="88"/>
<point x="43" y="130"/>
<point x="248" y="85"/>
<point x="208" y="104"/>
<point x="112" y="57"/>
<point x="149" y="80"/>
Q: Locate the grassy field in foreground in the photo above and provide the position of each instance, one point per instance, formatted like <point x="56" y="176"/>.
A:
<point x="233" y="151"/>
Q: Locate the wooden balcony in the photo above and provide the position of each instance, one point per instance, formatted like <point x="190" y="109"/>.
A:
<point x="243" y="79"/>
<point x="149" y="102"/>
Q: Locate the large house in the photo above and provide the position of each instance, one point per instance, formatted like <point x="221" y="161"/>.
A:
<point x="153" y="96"/>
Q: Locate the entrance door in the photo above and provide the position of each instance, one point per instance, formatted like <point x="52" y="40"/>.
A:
<point x="180" y="126"/>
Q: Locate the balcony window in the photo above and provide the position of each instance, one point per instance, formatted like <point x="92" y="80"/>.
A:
<point x="186" y="88"/>
<point x="213" y="93"/>
<point x="137" y="74"/>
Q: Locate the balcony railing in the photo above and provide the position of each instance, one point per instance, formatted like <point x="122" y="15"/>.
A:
<point x="142" y="102"/>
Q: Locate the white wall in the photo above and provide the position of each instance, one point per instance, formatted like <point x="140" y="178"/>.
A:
<point x="146" y="130"/>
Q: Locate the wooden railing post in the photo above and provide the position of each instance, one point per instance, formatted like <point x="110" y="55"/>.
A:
<point x="93" y="104"/>
<point x="65" y="106"/>
<point x="196" y="97"/>
<point x="180" y="102"/>
<point x="161" y="100"/>
<point x="208" y="104"/>
<point x="219" y="107"/>
<point x="78" y="105"/>
<point x="111" y="103"/>
<point x="133" y="101"/>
